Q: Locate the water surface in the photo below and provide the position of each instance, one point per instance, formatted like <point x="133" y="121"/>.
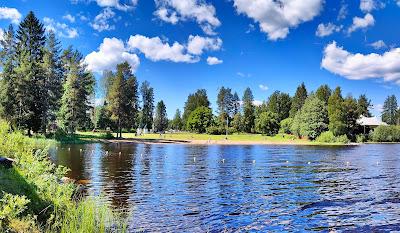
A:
<point x="190" y="188"/>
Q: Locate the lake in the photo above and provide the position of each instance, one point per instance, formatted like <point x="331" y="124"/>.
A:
<point x="191" y="188"/>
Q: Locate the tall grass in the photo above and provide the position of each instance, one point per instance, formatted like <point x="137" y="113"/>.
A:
<point x="33" y="198"/>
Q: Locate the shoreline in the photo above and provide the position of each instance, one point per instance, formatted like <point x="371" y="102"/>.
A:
<point x="220" y="142"/>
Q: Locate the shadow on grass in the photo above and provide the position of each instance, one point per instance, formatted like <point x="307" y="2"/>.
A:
<point x="12" y="182"/>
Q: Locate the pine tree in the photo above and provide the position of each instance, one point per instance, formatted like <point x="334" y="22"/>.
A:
<point x="236" y="102"/>
<point x="78" y="88"/>
<point x="364" y="104"/>
<point x="248" y="111"/>
<point x="148" y="105"/>
<point x="8" y="102"/>
<point x="160" y="118"/>
<point x="390" y="110"/>
<point x="53" y="80"/>
<point x="279" y="103"/>
<point x="298" y="99"/>
<point x="177" y="123"/>
<point x="323" y="93"/>
<point x="351" y="115"/>
<point x="336" y="113"/>
<point x="29" y="73"/>
<point x="198" y="99"/>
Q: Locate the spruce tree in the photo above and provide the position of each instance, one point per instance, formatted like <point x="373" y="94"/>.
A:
<point x="160" y="118"/>
<point x="336" y="113"/>
<point x="177" y="123"/>
<point x="148" y="105"/>
<point x="364" y="104"/>
<point x="390" y="110"/>
<point x="279" y="103"/>
<point x="195" y="100"/>
<point x="298" y="99"/>
<point x="323" y="93"/>
<point x="248" y="111"/>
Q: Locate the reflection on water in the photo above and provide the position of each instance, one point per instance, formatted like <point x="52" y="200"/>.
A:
<point x="185" y="188"/>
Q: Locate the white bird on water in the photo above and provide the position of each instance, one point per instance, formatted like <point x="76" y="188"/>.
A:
<point x="254" y="161"/>
<point x="287" y="161"/>
<point x="223" y="160"/>
<point x="194" y="159"/>
<point x="309" y="163"/>
<point x="347" y="163"/>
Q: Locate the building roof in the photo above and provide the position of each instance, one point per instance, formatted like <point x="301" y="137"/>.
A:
<point x="370" y="121"/>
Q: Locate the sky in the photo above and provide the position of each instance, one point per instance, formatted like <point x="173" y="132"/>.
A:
<point x="180" y="46"/>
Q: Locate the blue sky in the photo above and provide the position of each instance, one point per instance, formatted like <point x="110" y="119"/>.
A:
<point x="182" y="45"/>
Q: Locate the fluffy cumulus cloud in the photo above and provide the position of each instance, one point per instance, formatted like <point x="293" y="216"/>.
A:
<point x="361" y="23"/>
<point x="61" y="29"/>
<point x="69" y="17"/>
<point x="173" y="11"/>
<point x="128" y="5"/>
<point x="327" y="29"/>
<point x="198" y="44"/>
<point x="11" y="14"/>
<point x="275" y="18"/>
<point x="156" y="49"/>
<point x="110" y="53"/>
<point x="378" y="44"/>
<point x="343" y="11"/>
<point x="102" y="21"/>
<point x="213" y="61"/>
<point x="358" y="66"/>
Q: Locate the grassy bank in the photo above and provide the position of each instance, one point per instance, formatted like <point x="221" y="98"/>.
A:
<point x="33" y="198"/>
<point x="193" y="137"/>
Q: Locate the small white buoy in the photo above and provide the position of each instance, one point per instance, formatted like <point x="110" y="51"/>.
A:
<point x="377" y="163"/>
<point x="194" y="159"/>
<point x="223" y="160"/>
<point x="287" y="161"/>
<point x="309" y="163"/>
<point x="69" y="148"/>
<point x="80" y="150"/>
<point x="120" y="153"/>
<point x="254" y="161"/>
<point x="141" y="155"/>
<point x="347" y="163"/>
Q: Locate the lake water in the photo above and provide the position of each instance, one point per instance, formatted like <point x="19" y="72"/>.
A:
<point x="187" y="188"/>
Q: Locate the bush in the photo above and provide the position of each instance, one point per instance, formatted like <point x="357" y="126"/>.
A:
<point x="215" y="130"/>
<point x="388" y="133"/>
<point x="107" y="135"/>
<point x="199" y="120"/>
<point x="361" y="138"/>
<point x="286" y="124"/>
<point x="267" y="123"/>
<point x="328" y="137"/>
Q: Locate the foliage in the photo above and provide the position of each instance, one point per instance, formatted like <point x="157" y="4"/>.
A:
<point x="285" y="125"/>
<point x="323" y="93"/>
<point x="226" y="102"/>
<point x="279" y="103"/>
<point x="148" y="105"/>
<point x="177" y="122"/>
<point x="237" y="122"/>
<point x="350" y="117"/>
<point x="195" y="100"/>
<point x="219" y="130"/>
<point x="248" y="111"/>
<point x="328" y="137"/>
<point x="388" y="133"/>
<point x="298" y="99"/>
<point x="160" y="118"/>
<point x="199" y="120"/>
<point x="311" y="120"/>
<point x="267" y="123"/>
<point x="32" y="198"/>
<point x="336" y="113"/>
<point x="390" y="110"/>
<point x="364" y="104"/>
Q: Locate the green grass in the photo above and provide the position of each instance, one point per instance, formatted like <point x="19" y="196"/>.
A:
<point x="33" y="198"/>
<point x="186" y="136"/>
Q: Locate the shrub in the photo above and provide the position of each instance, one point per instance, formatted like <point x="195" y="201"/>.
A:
<point x="107" y="135"/>
<point x="389" y="133"/>
<point x="328" y="137"/>
<point x="361" y="138"/>
<point x="267" y="123"/>
<point x="286" y="125"/>
<point x="215" y="130"/>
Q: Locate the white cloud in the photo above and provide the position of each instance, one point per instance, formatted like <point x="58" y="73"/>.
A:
<point x="173" y="11"/>
<point x="275" y="18"/>
<point x="243" y="75"/>
<point x="370" y="5"/>
<point x="360" y="23"/>
<point x="101" y="21"/>
<point x="61" y="29"/>
<point x="198" y="44"/>
<point x="398" y="3"/>
<point x="110" y="53"/>
<point x="11" y="14"/>
<point x="157" y="49"/>
<point x="378" y="44"/>
<point x="1" y="36"/>
<point x="343" y="11"/>
<point x="257" y="102"/>
<point x="263" y="87"/>
<point x="116" y="4"/>
<point x="69" y="17"/>
<point x="213" y="61"/>
<point x="327" y="29"/>
<point x="362" y="66"/>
